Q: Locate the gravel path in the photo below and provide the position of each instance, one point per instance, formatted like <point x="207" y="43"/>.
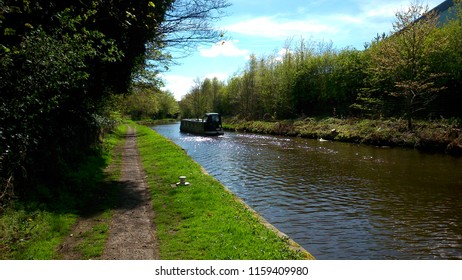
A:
<point x="132" y="233"/>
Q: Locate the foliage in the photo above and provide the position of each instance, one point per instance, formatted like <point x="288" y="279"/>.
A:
<point x="404" y="59"/>
<point x="413" y="72"/>
<point x="43" y="78"/>
<point x="63" y="63"/>
<point x="147" y="101"/>
<point x="203" y="97"/>
<point x="307" y="80"/>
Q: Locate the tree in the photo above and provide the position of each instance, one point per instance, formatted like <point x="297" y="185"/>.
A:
<point x="285" y="72"/>
<point x="249" y="93"/>
<point x="197" y="101"/>
<point x="188" y="23"/>
<point x="402" y="59"/>
<point x="168" y="105"/>
<point x="60" y="62"/>
<point x="47" y="106"/>
<point x="217" y="87"/>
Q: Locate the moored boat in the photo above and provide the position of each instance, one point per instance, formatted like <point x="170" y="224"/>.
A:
<point x="209" y="125"/>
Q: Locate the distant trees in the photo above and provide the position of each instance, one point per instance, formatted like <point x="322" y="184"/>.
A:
<point x="415" y="71"/>
<point x="148" y="101"/>
<point x="205" y="96"/>
<point x="306" y="80"/>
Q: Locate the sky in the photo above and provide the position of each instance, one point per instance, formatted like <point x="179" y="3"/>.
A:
<point x="264" y="27"/>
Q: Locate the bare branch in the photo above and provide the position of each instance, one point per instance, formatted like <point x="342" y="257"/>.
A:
<point x="190" y="22"/>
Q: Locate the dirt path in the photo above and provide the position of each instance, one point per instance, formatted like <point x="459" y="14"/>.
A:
<point x="132" y="232"/>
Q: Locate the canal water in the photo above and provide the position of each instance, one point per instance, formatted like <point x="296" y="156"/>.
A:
<point x="340" y="200"/>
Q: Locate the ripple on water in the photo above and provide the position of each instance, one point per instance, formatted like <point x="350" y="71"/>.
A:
<point x="341" y="201"/>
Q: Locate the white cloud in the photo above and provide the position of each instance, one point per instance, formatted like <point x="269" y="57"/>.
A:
<point x="342" y="19"/>
<point x="274" y="27"/>
<point x="181" y="85"/>
<point x="384" y="11"/>
<point x="343" y="22"/>
<point x="389" y="8"/>
<point x="178" y="85"/>
<point x="225" y="48"/>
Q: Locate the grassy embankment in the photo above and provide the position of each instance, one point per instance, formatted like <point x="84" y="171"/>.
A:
<point x="34" y="228"/>
<point x="203" y="220"/>
<point x="436" y="136"/>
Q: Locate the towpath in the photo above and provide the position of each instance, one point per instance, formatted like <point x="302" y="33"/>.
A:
<point x="132" y="232"/>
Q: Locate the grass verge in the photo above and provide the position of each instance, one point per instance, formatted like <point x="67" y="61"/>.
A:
<point x="203" y="220"/>
<point x="34" y="228"/>
<point x="90" y="243"/>
<point x="444" y="136"/>
<point x="30" y="233"/>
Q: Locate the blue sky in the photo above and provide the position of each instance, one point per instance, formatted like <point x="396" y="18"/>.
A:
<point x="263" y="28"/>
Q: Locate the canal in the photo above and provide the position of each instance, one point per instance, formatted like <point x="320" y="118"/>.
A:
<point x="340" y="200"/>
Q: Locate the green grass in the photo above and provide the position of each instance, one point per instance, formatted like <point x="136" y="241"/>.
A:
<point x="28" y="233"/>
<point x="34" y="228"/>
<point x="203" y="220"/>
<point x="94" y="240"/>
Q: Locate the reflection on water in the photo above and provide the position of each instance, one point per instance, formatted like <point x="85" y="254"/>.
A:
<point x="338" y="200"/>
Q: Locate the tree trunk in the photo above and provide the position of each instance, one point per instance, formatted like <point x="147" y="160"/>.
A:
<point x="409" y="122"/>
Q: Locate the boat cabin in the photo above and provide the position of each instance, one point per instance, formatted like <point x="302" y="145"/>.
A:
<point x="209" y="125"/>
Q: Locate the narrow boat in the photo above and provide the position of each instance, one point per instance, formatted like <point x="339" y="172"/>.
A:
<point x="209" y="125"/>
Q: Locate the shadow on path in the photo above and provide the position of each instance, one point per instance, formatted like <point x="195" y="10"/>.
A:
<point x="131" y="232"/>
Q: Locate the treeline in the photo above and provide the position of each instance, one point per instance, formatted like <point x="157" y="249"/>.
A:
<point x="205" y="96"/>
<point x="64" y="65"/>
<point x="149" y="102"/>
<point x="413" y="72"/>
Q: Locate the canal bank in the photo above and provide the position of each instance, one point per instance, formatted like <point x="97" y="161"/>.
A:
<point x="441" y="136"/>
<point x="204" y="220"/>
<point x="340" y="200"/>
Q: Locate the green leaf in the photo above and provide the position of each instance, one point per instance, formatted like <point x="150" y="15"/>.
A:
<point x="9" y="31"/>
